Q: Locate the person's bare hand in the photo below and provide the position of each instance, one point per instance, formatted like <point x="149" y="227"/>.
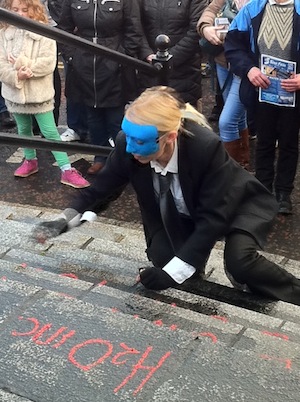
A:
<point x="150" y="57"/>
<point x="212" y="34"/>
<point x="11" y="58"/>
<point x="257" y="78"/>
<point x="291" y="84"/>
<point x="24" y="73"/>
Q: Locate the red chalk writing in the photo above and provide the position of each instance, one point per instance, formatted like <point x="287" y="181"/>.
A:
<point x="276" y="334"/>
<point x="219" y="317"/>
<point x="287" y="362"/>
<point x="44" y="335"/>
<point x="140" y="366"/>
<point x="209" y="335"/>
<point x="109" y="349"/>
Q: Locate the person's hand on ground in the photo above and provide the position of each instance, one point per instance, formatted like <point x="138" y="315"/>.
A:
<point x="155" y="278"/>
<point x="46" y="230"/>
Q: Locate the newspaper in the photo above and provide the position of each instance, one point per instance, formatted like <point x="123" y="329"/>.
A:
<point x="277" y="69"/>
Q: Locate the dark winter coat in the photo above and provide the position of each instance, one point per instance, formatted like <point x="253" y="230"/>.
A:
<point x="219" y="194"/>
<point x="115" y="24"/>
<point x="177" y="19"/>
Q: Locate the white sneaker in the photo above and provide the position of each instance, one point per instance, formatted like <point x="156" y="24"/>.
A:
<point x="69" y="135"/>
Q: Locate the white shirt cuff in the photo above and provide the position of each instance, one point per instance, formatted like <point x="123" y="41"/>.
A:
<point x="179" y="270"/>
<point x="88" y="216"/>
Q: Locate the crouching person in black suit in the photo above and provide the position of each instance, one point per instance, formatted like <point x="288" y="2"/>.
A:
<point x="190" y="193"/>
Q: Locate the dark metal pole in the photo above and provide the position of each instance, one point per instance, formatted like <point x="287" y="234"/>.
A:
<point x="73" y="40"/>
<point x="42" y="143"/>
<point x="163" y="59"/>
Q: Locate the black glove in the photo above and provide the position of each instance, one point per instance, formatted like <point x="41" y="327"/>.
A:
<point x="48" y="229"/>
<point x="156" y="279"/>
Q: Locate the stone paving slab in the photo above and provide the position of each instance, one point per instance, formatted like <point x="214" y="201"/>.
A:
<point x="13" y="295"/>
<point x="107" y="340"/>
<point x="100" y="267"/>
<point x="41" y="279"/>
<point x="265" y="343"/>
<point x="67" y="349"/>
<point x="9" y="397"/>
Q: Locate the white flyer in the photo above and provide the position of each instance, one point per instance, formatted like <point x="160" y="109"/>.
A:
<point x="277" y="69"/>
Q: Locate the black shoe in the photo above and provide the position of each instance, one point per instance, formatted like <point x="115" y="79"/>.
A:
<point x="285" y="203"/>
<point x="6" y="120"/>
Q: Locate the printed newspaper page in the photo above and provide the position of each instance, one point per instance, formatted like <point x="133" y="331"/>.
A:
<point x="276" y="70"/>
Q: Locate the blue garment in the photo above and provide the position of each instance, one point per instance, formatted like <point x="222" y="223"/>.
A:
<point x="241" y="49"/>
<point x="275" y="167"/>
<point x="233" y="117"/>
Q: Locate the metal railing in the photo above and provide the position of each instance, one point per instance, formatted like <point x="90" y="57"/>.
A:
<point x="160" y="68"/>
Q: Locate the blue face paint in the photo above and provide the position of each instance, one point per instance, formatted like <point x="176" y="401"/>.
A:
<point x="141" y="140"/>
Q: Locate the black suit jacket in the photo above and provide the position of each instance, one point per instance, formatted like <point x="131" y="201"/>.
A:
<point x="220" y="195"/>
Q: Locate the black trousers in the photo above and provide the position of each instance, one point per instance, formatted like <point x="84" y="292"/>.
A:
<point x="243" y="263"/>
<point x="275" y="123"/>
<point x="261" y="276"/>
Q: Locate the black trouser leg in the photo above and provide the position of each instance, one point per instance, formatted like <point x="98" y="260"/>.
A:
<point x="261" y="276"/>
<point x="282" y="124"/>
<point x="160" y="251"/>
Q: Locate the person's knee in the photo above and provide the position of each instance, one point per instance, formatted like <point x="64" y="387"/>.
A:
<point x="239" y="255"/>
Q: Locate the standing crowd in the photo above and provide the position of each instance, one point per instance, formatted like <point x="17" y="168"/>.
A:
<point x="214" y="194"/>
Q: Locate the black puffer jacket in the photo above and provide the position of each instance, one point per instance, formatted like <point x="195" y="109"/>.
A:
<point x="97" y="80"/>
<point x="177" y="19"/>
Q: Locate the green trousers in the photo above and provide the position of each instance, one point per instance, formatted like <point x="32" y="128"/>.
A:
<point x="48" y="128"/>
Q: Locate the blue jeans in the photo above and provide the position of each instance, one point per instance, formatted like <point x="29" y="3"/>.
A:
<point x="233" y="118"/>
<point x="104" y="123"/>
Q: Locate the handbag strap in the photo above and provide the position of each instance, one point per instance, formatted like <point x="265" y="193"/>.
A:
<point x="226" y="82"/>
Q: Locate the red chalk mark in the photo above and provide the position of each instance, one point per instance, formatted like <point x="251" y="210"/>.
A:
<point x="66" y="295"/>
<point x="37" y="332"/>
<point x="159" y="323"/>
<point x="51" y="338"/>
<point x="277" y="335"/>
<point x="288" y="362"/>
<point x="4" y="278"/>
<point x="139" y="366"/>
<point x="114" y="309"/>
<point x="128" y="351"/>
<point x="136" y="316"/>
<point x="219" y="317"/>
<point x="103" y="283"/>
<point x="173" y="305"/>
<point x="86" y="367"/>
<point x="173" y="327"/>
<point x="31" y="332"/>
<point x="23" y="265"/>
<point x="63" y="339"/>
<point x="209" y="335"/>
<point x="69" y="275"/>
<point x="40" y="333"/>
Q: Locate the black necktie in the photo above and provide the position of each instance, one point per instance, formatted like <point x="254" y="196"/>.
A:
<point x="169" y="212"/>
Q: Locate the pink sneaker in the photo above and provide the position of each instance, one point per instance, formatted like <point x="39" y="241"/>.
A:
<point x="27" y="168"/>
<point x="74" y="179"/>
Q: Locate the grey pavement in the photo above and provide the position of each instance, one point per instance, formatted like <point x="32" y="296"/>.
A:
<point x="75" y="326"/>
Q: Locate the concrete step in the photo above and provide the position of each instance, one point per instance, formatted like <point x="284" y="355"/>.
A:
<point x="116" y="263"/>
<point x="94" y="343"/>
<point x="74" y="326"/>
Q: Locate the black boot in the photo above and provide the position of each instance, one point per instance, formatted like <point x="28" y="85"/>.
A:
<point x="285" y="203"/>
<point x="6" y="120"/>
